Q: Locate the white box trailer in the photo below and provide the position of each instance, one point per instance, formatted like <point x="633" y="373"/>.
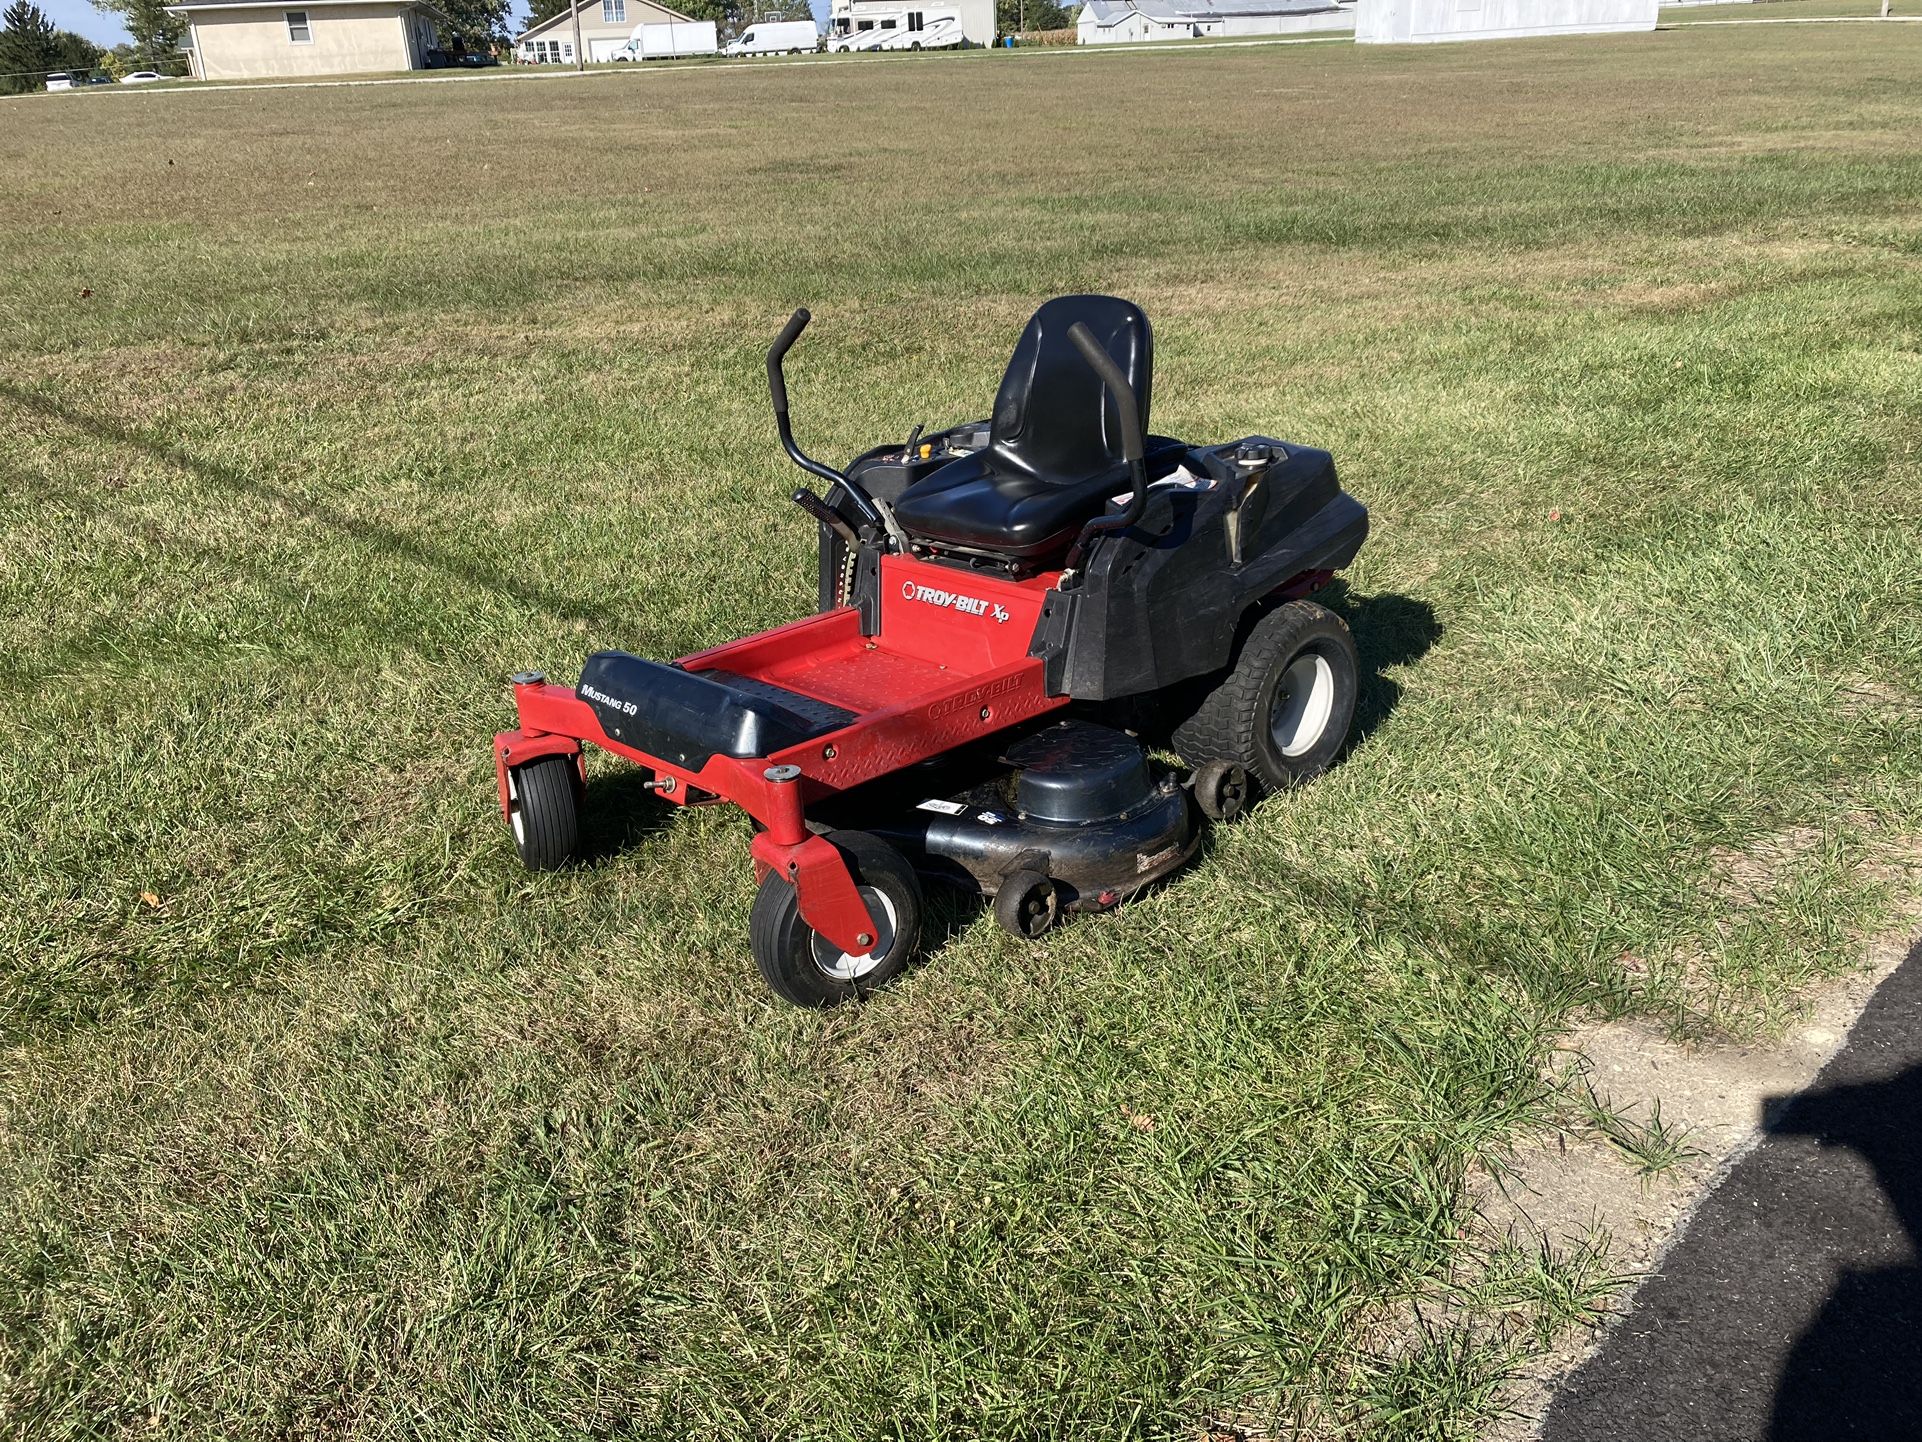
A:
<point x="1390" y="22"/>
<point x="776" y="37"/>
<point x="669" y="38"/>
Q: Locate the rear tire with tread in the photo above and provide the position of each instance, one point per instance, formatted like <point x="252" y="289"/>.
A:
<point x="1283" y="709"/>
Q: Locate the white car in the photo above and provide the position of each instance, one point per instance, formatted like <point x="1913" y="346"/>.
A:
<point x="141" y="77"/>
<point x="59" y="80"/>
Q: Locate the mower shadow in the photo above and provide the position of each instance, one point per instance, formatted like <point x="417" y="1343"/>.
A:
<point x="291" y="505"/>
<point x="619" y="815"/>
<point x="1390" y="629"/>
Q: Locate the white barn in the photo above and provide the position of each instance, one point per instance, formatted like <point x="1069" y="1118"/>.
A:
<point x="1113" y="22"/>
<point x="1393" y="22"/>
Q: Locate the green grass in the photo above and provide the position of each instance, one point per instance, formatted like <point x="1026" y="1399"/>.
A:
<point x="322" y="410"/>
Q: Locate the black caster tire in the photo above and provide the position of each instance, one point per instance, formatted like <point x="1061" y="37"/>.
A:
<point x="803" y="967"/>
<point x="1220" y="789"/>
<point x="544" y="810"/>
<point x="1027" y="905"/>
<point x="1283" y="710"/>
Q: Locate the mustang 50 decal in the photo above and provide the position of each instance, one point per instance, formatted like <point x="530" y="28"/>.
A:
<point x="966" y="605"/>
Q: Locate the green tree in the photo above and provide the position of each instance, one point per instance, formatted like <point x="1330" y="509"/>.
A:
<point x="1011" y="17"/>
<point x="157" y="36"/>
<point x="75" y="53"/>
<point x="541" y="10"/>
<point x="26" y="48"/>
<point x="476" y="24"/>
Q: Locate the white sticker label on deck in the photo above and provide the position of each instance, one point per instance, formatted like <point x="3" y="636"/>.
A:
<point x="946" y="808"/>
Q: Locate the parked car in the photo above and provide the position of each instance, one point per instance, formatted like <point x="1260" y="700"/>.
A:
<point x="476" y="59"/>
<point x="142" y="77"/>
<point x="776" y="37"/>
<point x="100" y="77"/>
<point x="59" y="80"/>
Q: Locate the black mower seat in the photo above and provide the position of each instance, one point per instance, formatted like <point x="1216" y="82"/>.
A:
<point x="1054" y="443"/>
<point x="978" y="505"/>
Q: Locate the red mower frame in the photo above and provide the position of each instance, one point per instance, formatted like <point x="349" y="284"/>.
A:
<point x="948" y="664"/>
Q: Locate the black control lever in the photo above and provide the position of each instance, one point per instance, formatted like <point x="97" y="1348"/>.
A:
<point x="1133" y="450"/>
<point x="777" y="388"/>
<point x="827" y="516"/>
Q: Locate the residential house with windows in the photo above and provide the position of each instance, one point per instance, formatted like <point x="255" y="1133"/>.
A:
<point x="605" y="28"/>
<point x="246" y="40"/>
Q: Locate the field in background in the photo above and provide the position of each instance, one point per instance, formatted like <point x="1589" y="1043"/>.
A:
<point x="322" y="410"/>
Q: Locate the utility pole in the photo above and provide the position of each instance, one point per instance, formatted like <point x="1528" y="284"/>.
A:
<point x="580" y="55"/>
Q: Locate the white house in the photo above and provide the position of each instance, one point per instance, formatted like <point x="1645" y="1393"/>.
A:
<point x="847" y="17"/>
<point x="1392" y="22"/>
<point x="1110" y="22"/>
<point x="606" y="26"/>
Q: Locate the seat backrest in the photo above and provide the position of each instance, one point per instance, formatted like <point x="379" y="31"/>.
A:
<point x="1053" y="419"/>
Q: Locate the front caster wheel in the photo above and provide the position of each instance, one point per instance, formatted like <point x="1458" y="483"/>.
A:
<point x="544" y="808"/>
<point x="804" y="967"/>
<point x="1027" y="905"/>
<point x="1283" y="709"/>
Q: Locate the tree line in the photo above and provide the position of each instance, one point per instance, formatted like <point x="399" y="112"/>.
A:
<point x="32" y="47"/>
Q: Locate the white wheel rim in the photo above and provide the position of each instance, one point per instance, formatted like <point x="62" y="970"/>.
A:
<point x="844" y="965"/>
<point x="1304" y="701"/>
<point x="514" y="809"/>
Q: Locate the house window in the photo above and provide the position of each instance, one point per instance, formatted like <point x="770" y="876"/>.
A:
<point x="567" y="50"/>
<point x="299" y="32"/>
<point x="613" y="12"/>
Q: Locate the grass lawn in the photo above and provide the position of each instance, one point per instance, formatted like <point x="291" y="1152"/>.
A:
<point x="322" y="410"/>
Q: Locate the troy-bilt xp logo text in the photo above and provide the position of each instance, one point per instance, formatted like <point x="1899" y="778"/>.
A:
<point x="966" y="605"/>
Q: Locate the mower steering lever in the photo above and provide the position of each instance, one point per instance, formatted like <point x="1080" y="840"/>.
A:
<point x="777" y="389"/>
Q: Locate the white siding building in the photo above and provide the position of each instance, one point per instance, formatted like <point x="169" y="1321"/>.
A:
<point x="1390" y="22"/>
<point x="1112" y="22"/>
<point x="246" y="40"/>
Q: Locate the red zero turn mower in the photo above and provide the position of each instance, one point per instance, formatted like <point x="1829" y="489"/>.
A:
<point x="987" y="592"/>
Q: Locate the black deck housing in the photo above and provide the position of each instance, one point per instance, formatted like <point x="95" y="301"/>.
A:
<point x="1078" y="802"/>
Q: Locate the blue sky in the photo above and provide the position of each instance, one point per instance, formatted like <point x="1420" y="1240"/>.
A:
<point x="82" y="18"/>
